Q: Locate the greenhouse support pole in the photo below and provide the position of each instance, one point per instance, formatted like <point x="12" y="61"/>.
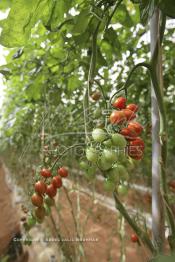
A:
<point x="158" y="227"/>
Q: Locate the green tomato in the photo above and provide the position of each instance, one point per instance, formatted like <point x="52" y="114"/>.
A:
<point x="84" y="165"/>
<point x="109" y="155"/>
<point x="109" y="185"/>
<point x="122" y="157"/>
<point x="92" y="154"/>
<point x="107" y="143"/>
<point x="119" y="140"/>
<point x="122" y="190"/>
<point x="97" y="113"/>
<point x="99" y="135"/>
<point x="113" y="174"/>
<point x="123" y="173"/>
<point x="103" y="164"/>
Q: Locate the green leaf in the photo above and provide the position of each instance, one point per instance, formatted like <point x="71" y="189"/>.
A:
<point x="123" y="16"/>
<point x="57" y="15"/>
<point x="112" y="38"/>
<point x="73" y="83"/>
<point x="21" y="19"/>
<point x="81" y="22"/>
<point x="4" y="4"/>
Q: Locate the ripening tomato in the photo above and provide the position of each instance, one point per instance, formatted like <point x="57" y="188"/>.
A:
<point x="130" y="115"/>
<point x="40" y="187"/>
<point x="99" y="135"/>
<point x="96" y="95"/>
<point x="63" y="172"/>
<point x="134" y="238"/>
<point x="117" y="117"/>
<point x="51" y="190"/>
<point x="57" y="182"/>
<point x="135" y="127"/>
<point x="45" y="173"/>
<point x="132" y="107"/>
<point x="37" y="200"/>
<point x="40" y="213"/>
<point x="120" y="103"/>
<point x="128" y="134"/>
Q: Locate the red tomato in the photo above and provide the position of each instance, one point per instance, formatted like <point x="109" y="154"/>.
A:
<point x="135" y="127"/>
<point x="130" y="115"/>
<point x="138" y="142"/>
<point x="45" y="173"/>
<point x="63" y="172"/>
<point x="128" y="134"/>
<point x="132" y="107"/>
<point x="135" y="149"/>
<point x="117" y="117"/>
<point x="57" y="182"/>
<point x="134" y="238"/>
<point x="51" y="191"/>
<point x="37" y="200"/>
<point x="136" y="156"/>
<point x="120" y="103"/>
<point x="40" y="187"/>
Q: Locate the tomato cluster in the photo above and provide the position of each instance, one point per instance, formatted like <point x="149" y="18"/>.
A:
<point x="113" y="148"/>
<point x="45" y="191"/>
<point x="123" y="117"/>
